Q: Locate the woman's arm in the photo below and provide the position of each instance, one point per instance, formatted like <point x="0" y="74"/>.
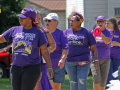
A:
<point x="51" y="42"/>
<point x="94" y="52"/>
<point x="46" y="56"/>
<point x="2" y="39"/>
<point x="63" y="57"/>
<point x="114" y="43"/>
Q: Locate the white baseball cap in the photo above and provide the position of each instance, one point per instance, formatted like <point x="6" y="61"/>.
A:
<point x="51" y="16"/>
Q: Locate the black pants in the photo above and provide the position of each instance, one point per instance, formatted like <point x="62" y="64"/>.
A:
<point x="24" y="78"/>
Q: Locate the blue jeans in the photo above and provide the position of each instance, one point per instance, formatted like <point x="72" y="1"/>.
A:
<point x="114" y="64"/>
<point x="77" y="75"/>
<point x="58" y="75"/>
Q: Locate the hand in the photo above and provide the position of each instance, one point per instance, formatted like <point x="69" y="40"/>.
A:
<point x="96" y="65"/>
<point x="101" y="33"/>
<point x="61" y="64"/>
<point x="46" y="30"/>
<point x="114" y="43"/>
<point x="50" y="71"/>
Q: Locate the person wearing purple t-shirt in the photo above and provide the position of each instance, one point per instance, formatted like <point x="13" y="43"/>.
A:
<point x="115" y="48"/>
<point x="58" y="56"/>
<point x="78" y="58"/>
<point x="103" y="48"/>
<point x="27" y="38"/>
<point x="43" y="81"/>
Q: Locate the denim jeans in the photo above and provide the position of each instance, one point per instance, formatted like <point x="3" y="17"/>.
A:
<point x="59" y="75"/>
<point x="77" y="75"/>
<point x="114" y="64"/>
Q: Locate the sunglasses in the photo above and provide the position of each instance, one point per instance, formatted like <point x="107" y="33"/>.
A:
<point x="98" y="22"/>
<point x="73" y="20"/>
<point x="108" y="23"/>
<point x="48" y="20"/>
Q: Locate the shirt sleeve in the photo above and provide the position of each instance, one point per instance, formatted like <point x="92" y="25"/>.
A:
<point x="109" y="34"/>
<point x="64" y="41"/>
<point x="91" y="39"/>
<point x="42" y="39"/>
<point x="8" y="34"/>
<point x="65" y="32"/>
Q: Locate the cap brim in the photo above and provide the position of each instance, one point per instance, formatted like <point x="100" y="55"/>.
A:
<point x="49" y="18"/>
<point x="100" y="19"/>
<point x="21" y="15"/>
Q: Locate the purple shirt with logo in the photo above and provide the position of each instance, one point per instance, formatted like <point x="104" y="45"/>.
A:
<point x="102" y="48"/>
<point x="115" y="50"/>
<point x="25" y="44"/>
<point x="79" y="42"/>
<point x="61" y="43"/>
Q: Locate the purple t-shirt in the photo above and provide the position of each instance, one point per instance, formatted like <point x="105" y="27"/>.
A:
<point x="25" y="45"/>
<point x="102" y="48"/>
<point x="115" y="51"/>
<point x="79" y="42"/>
<point x="61" y="43"/>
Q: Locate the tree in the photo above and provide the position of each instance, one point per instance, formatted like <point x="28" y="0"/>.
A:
<point x="9" y="10"/>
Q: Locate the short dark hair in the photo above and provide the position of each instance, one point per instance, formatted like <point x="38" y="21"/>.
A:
<point x="114" y="22"/>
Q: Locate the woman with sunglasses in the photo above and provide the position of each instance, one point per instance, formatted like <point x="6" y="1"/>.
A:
<point x="103" y="46"/>
<point x="58" y="56"/>
<point x="26" y="38"/>
<point x="51" y="47"/>
<point x="78" y="59"/>
<point x="115" y="48"/>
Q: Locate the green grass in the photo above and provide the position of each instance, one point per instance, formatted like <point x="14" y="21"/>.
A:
<point x="6" y="85"/>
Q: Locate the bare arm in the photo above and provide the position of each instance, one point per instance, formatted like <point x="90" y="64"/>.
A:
<point x="106" y="40"/>
<point x="2" y="39"/>
<point x="51" y="42"/>
<point x="94" y="52"/>
<point x="46" y="56"/>
<point x="63" y="57"/>
<point x="114" y="43"/>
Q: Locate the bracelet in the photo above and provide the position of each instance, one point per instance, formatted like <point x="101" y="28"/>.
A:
<point x="96" y="60"/>
<point x="50" y="68"/>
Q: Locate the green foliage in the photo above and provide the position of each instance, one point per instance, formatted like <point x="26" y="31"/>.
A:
<point x="9" y="10"/>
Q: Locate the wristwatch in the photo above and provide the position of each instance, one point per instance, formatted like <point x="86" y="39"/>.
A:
<point x="47" y="32"/>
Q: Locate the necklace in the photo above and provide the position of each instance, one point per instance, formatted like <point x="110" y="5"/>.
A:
<point x="76" y="32"/>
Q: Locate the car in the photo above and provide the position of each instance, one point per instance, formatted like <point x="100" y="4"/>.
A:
<point x="5" y="61"/>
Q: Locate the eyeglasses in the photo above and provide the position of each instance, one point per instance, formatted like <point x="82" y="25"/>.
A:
<point x="98" y="22"/>
<point x="108" y="23"/>
<point x="48" y="20"/>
